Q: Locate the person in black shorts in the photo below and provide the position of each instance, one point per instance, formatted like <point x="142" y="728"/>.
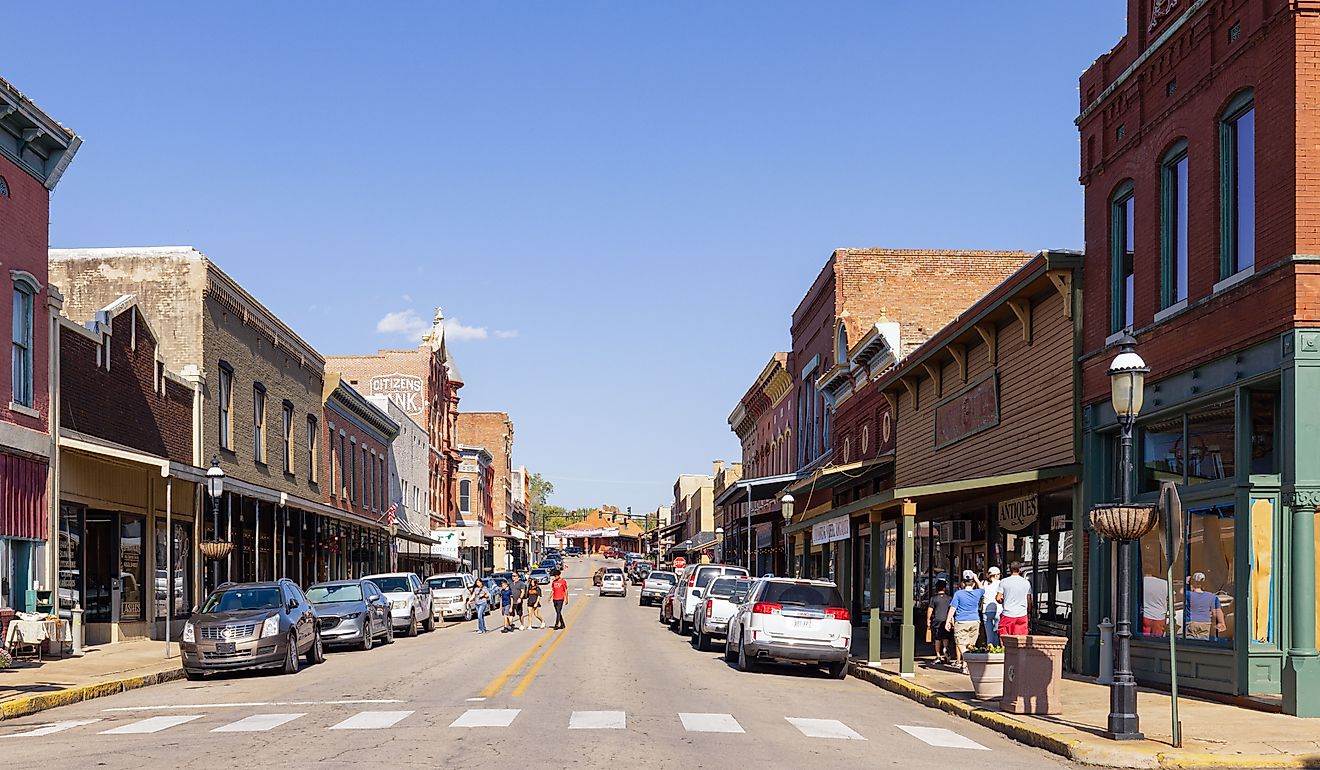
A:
<point x="534" y="602"/>
<point x="937" y="612"/>
<point x="519" y="595"/>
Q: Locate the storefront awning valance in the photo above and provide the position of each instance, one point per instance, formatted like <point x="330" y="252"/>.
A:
<point x="763" y="488"/>
<point x="833" y="476"/>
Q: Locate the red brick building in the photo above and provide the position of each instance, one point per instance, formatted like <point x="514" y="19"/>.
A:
<point x="34" y="152"/>
<point x="1197" y="155"/>
<point x="493" y="431"/>
<point x="424" y="382"/>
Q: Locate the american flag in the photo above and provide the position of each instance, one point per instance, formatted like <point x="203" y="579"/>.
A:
<point x="389" y="514"/>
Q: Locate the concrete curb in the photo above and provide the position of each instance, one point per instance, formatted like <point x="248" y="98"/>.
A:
<point x="21" y="707"/>
<point x="1072" y="748"/>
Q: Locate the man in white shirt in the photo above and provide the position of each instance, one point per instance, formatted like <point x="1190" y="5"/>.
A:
<point x="1014" y="598"/>
<point x="990" y="607"/>
<point x="1154" y="605"/>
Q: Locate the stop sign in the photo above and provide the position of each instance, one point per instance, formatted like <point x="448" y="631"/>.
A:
<point x="680" y="563"/>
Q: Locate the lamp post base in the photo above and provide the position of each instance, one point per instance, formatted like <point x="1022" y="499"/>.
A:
<point x="1124" y="725"/>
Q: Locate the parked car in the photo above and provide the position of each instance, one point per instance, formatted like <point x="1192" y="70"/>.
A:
<point x="667" y="605"/>
<point x="613" y="582"/>
<point x="712" y="616"/>
<point x="251" y="625"/>
<point x="451" y="595"/>
<point x="691" y="583"/>
<point x="410" y="600"/>
<point x="351" y="612"/>
<point x="541" y="576"/>
<point x="655" y="586"/>
<point x="573" y="550"/>
<point x="797" y="621"/>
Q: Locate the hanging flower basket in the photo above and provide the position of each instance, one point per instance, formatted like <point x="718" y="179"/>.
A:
<point x="1124" y="522"/>
<point x="215" y="549"/>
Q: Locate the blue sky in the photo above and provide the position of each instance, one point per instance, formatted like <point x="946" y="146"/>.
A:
<point x="619" y="203"/>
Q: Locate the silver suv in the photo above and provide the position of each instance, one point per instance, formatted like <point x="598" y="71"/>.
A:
<point x="251" y="625"/>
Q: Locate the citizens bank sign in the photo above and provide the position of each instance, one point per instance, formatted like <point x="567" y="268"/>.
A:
<point x="405" y="390"/>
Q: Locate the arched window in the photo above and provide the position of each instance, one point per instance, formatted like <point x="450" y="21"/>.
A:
<point x="24" y="308"/>
<point x="465" y="496"/>
<point x="841" y="344"/>
<point x="4" y="188"/>
<point x="1237" y="168"/>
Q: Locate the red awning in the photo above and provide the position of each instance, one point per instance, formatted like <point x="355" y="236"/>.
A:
<point x="22" y="497"/>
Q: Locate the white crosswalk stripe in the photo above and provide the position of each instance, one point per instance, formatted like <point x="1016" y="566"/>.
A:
<point x="710" y="723"/>
<point x="938" y="736"/>
<point x="597" y="720"/>
<point x="824" y="728"/>
<point x="486" y="718"/>
<point x="257" y="723"/>
<point x="150" y="725"/>
<point x="372" y="720"/>
<point x="53" y="727"/>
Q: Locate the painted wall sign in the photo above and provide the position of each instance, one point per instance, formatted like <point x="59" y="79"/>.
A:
<point x="1019" y="513"/>
<point x="839" y="528"/>
<point x="405" y="390"/>
<point x="967" y="413"/>
<point x="764" y="535"/>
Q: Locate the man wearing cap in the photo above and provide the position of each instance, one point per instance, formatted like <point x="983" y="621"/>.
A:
<point x="1203" y="615"/>
<point x="990" y="607"/>
<point x="965" y="615"/>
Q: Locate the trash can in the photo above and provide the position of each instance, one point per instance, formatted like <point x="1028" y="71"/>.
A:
<point x="1033" y="667"/>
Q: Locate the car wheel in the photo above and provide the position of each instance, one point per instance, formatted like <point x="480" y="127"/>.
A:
<point x="389" y="631"/>
<point x="682" y="626"/>
<point x="838" y="670"/>
<point x="193" y="676"/>
<point x="367" y="638"/>
<point x="744" y="663"/>
<point x="467" y="614"/>
<point x="291" y="654"/>
<point x="728" y="650"/>
<point x="412" y="624"/>
<point x="702" y="641"/>
<point x="428" y="625"/>
<point x="316" y="653"/>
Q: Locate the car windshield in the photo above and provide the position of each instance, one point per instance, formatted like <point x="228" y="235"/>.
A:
<point x="392" y="583"/>
<point x="445" y="582"/>
<point x="706" y="575"/>
<point x="613" y="571"/>
<point x="348" y="592"/>
<point x="802" y="595"/>
<point x="729" y="587"/>
<point x="234" y="599"/>
<point x="663" y="577"/>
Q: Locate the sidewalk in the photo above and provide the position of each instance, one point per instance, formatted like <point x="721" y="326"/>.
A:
<point x="1214" y="734"/>
<point x="27" y="687"/>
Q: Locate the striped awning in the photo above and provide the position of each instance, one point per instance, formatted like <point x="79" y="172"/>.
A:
<point x="22" y="497"/>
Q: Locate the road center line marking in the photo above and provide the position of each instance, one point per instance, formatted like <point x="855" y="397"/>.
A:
<point x="540" y="662"/>
<point x="498" y="682"/>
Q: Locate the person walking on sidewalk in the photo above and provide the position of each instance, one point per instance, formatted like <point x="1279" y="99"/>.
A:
<point x="519" y="595"/>
<point x="506" y="606"/>
<point x="1015" y="598"/>
<point x="481" y="597"/>
<point x="964" y="617"/>
<point x="558" y="595"/>
<point x="990" y="607"/>
<point x="534" y="602"/>
<point x="937" y="612"/>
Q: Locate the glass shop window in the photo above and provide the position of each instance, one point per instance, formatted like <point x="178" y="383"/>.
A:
<point x="1264" y="422"/>
<point x="1203" y="587"/>
<point x="1210" y="443"/>
<point x="1161" y="453"/>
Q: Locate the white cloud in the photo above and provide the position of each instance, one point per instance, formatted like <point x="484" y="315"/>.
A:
<point x="405" y="323"/>
<point x="455" y="330"/>
<point x="407" y="298"/>
<point x="505" y="334"/>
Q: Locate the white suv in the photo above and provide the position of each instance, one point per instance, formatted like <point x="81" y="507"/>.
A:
<point x="613" y="582"/>
<point x="712" y="616"/>
<point x="410" y="600"/>
<point x="785" y="620"/>
<point x="692" y="582"/>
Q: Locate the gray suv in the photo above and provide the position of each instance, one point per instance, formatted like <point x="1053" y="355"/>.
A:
<point x="251" y="625"/>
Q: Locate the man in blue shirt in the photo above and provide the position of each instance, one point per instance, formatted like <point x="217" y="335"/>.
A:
<point x="965" y="615"/>
<point x="506" y="606"/>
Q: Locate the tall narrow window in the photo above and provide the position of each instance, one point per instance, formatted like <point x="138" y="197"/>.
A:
<point x="259" y="422"/>
<point x="352" y="470"/>
<point x="1122" y="256"/>
<point x="313" y="446"/>
<point x="343" y="465"/>
<point x="1237" y="147"/>
<point x="1173" y="236"/>
<point x="226" y="402"/>
<point x="366" y="479"/>
<point x="22" y="390"/>
<point x="465" y="496"/>
<point x="288" y="437"/>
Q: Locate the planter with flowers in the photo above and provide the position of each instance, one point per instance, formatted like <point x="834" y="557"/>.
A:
<point x="985" y="665"/>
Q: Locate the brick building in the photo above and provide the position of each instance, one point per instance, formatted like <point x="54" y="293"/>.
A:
<point x="476" y="504"/>
<point x="260" y="414"/>
<point x="493" y="431"/>
<point x="1197" y="137"/>
<point x="125" y="478"/>
<point x="692" y="517"/>
<point x="424" y="382"/>
<point x="34" y="152"/>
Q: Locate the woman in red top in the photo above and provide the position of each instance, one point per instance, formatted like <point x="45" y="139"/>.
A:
<point x="558" y="595"/>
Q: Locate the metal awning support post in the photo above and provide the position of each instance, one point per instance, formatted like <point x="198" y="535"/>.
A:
<point x="1172" y="544"/>
<point x="169" y="558"/>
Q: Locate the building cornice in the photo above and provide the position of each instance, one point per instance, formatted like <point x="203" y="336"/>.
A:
<point x="237" y="300"/>
<point x="32" y="139"/>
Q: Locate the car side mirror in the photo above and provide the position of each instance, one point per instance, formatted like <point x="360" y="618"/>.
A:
<point x="696" y="592"/>
<point x="292" y="605"/>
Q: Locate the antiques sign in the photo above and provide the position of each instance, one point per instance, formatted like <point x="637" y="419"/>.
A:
<point x="1019" y="513"/>
<point x="969" y="412"/>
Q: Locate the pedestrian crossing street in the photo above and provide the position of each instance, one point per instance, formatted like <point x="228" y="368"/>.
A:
<point x="472" y="718"/>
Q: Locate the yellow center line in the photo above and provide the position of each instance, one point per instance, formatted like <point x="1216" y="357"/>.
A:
<point x="536" y="667"/>
<point x="498" y="682"/>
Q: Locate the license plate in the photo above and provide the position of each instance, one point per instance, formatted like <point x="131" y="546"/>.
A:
<point x="224" y="648"/>
<point x="802" y="623"/>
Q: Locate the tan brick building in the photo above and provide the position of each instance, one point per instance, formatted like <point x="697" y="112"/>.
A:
<point x="493" y="431"/>
<point x="424" y="383"/>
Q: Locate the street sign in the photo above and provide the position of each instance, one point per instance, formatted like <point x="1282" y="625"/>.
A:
<point x="680" y="563"/>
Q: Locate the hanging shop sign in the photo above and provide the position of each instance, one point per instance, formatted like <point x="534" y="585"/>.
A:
<point x="829" y="531"/>
<point x="1019" y="513"/>
<point x="969" y="412"/>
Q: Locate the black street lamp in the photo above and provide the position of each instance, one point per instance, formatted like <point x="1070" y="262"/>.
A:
<point x="786" y="508"/>
<point x="1125" y="523"/>
<point x="216" y="548"/>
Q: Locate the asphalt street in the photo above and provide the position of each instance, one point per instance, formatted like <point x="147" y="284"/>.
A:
<point x="616" y="689"/>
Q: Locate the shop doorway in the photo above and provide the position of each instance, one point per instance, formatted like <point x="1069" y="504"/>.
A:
<point x="98" y="559"/>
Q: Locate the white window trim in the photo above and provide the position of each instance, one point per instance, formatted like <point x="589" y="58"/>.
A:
<point x="1171" y="311"/>
<point x="1118" y="335"/>
<point x="1235" y="279"/>
<point x="14" y="406"/>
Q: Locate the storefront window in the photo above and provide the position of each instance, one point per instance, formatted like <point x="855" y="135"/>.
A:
<point x="131" y="531"/>
<point x="1210" y="443"/>
<point x="71" y="530"/>
<point x="889" y="595"/>
<point x="1162" y="454"/>
<point x="1203" y="588"/>
<point x="172" y="577"/>
<point x="1264" y="415"/>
